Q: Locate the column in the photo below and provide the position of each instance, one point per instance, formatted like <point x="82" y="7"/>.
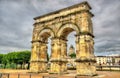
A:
<point x="34" y="62"/>
<point x="77" y="46"/>
<point x="92" y="56"/>
<point x="43" y="57"/>
<point x="58" y="61"/>
<point x="38" y="62"/>
<point x="64" y="55"/>
<point x="85" y="57"/>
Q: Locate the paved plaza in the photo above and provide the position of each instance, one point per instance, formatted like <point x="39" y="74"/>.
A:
<point x="71" y="74"/>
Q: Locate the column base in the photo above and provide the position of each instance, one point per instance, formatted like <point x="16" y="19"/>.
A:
<point x="38" y="67"/>
<point x="58" y="67"/>
<point x="85" y="68"/>
<point x="58" y="73"/>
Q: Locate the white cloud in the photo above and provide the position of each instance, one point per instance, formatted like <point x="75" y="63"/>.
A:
<point x="16" y="20"/>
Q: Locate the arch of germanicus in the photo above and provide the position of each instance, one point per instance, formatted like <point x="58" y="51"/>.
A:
<point x="57" y="25"/>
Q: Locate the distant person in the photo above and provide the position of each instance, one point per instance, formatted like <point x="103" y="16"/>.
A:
<point x="100" y="66"/>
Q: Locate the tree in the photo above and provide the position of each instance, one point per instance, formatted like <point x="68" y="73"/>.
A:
<point x="5" y="60"/>
<point x="1" y="56"/>
<point x="47" y="57"/>
<point x="21" y="57"/>
<point x="73" y="55"/>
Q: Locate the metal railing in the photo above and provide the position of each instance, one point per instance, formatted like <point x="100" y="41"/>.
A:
<point x="8" y="75"/>
<point x="11" y="75"/>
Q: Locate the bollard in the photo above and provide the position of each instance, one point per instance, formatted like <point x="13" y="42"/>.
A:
<point x="8" y="75"/>
<point x="30" y="75"/>
<point x="18" y="75"/>
<point x="0" y="75"/>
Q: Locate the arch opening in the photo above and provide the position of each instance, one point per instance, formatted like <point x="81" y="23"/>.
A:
<point x="45" y="33"/>
<point x="68" y="32"/>
<point x="71" y="50"/>
<point x="45" y="39"/>
<point x="71" y="41"/>
<point x="66" y="29"/>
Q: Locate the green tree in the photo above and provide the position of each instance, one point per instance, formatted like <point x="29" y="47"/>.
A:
<point x="1" y="56"/>
<point x="73" y="55"/>
<point x="13" y="58"/>
<point x="22" y="58"/>
<point x="5" y="60"/>
<point x="47" y="57"/>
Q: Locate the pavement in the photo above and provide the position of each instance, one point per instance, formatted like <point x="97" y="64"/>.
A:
<point x="10" y="73"/>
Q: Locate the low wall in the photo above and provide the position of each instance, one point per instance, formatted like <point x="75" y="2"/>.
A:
<point x="108" y="68"/>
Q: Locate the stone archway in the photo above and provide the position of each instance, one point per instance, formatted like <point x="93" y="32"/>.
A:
<point x="39" y="50"/>
<point x="58" y="25"/>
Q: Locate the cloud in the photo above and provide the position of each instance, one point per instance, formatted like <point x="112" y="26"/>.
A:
<point x="16" y="20"/>
<point x="107" y="25"/>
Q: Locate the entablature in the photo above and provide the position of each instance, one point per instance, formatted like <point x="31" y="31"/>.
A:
<point x="79" y="8"/>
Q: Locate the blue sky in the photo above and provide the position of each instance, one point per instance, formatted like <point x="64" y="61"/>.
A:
<point x="16" y="20"/>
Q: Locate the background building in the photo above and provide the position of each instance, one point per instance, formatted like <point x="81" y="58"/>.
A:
<point x="108" y="60"/>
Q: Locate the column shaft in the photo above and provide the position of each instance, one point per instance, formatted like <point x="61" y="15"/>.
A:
<point x="38" y="57"/>
<point x="34" y="63"/>
<point x="58" y="61"/>
<point x="64" y="55"/>
<point x="43" y="57"/>
<point x="85" y="58"/>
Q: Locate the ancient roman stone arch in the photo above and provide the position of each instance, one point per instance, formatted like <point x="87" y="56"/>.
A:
<point x="58" y="25"/>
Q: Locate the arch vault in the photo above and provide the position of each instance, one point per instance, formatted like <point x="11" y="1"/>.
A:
<point x="58" y="25"/>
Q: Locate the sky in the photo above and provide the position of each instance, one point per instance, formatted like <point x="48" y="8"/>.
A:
<point x="16" y="23"/>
